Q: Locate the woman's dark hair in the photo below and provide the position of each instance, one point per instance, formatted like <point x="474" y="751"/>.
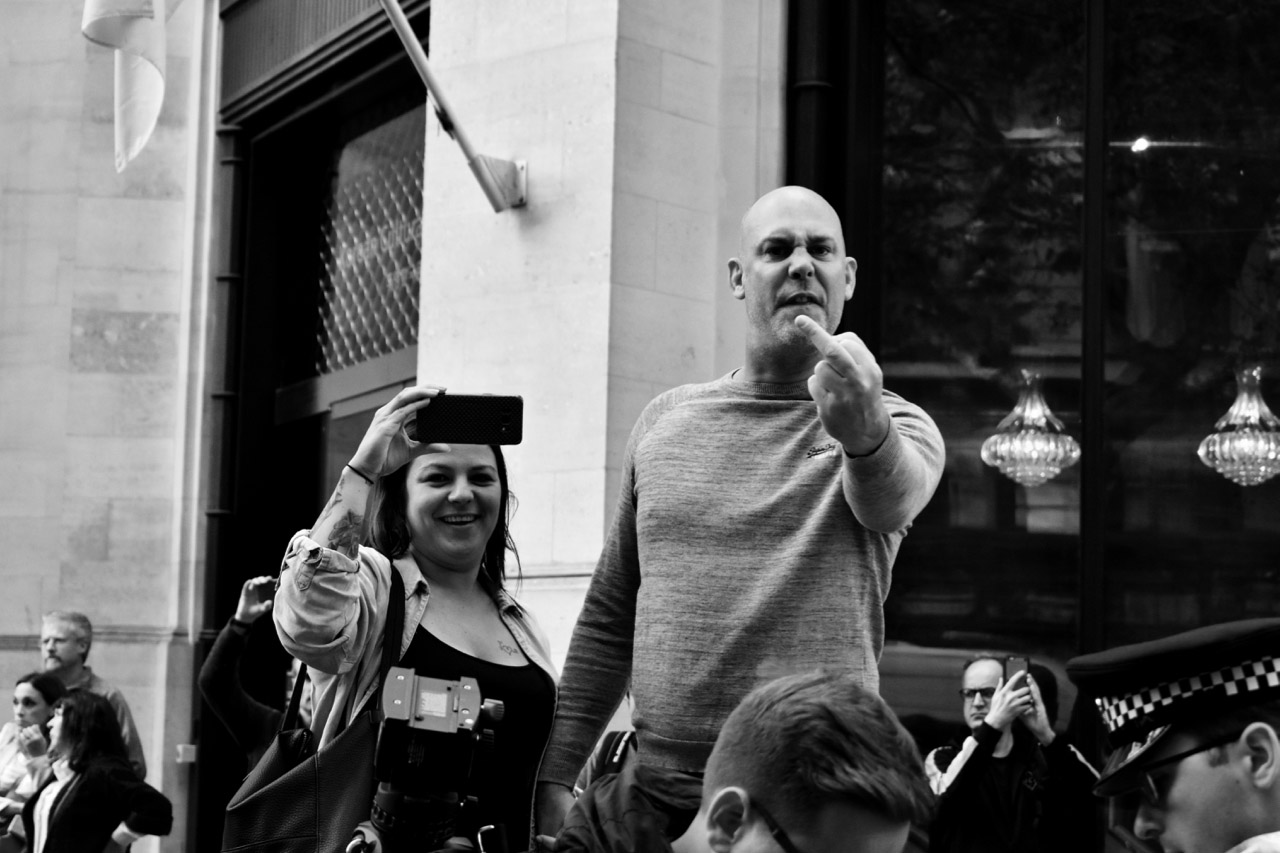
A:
<point x="389" y="523"/>
<point x="89" y="729"/>
<point x="1048" y="684"/>
<point x="48" y="686"/>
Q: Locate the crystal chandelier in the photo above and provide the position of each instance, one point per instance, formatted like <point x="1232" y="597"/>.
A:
<point x="1244" y="446"/>
<point x="1030" y="446"/>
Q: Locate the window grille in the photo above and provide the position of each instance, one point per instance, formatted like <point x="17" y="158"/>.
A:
<point x="371" y="250"/>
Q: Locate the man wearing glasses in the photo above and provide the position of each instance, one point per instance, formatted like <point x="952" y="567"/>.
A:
<point x="809" y="763"/>
<point x="1193" y="720"/>
<point x="1013" y="784"/>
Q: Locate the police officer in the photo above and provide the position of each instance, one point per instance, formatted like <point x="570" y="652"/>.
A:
<point x="1194" y="722"/>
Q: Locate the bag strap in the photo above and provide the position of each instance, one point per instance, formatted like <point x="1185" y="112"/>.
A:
<point x="290" y="719"/>
<point x="392" y="635"/>
<point x="614" y="748"/>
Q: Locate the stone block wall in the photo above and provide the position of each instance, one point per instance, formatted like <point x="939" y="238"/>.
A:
<point x="93" y="272"/>
<point x="646" y="124"/>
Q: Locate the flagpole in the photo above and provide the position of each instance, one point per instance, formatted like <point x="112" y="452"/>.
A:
<point x="503" y="181"/>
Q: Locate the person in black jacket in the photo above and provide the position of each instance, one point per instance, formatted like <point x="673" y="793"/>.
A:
<point x="94" y="797"/>
<point x="252" y="724"/>
<point x="1013" y="785"/>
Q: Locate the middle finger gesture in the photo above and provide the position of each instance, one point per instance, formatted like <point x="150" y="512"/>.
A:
<point x="846" y="385"/>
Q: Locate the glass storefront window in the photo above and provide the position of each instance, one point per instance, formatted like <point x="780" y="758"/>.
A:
<point x="1193" y="285"/>
<point x="982" y="235"/>
<point x="982" y="187"/>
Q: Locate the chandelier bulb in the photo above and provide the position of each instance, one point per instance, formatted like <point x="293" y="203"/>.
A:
<point x="1030" y="446"/>
<point x="1244" y="446"/>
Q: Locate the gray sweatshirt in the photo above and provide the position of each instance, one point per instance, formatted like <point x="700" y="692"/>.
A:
<point x="745" y="545"/>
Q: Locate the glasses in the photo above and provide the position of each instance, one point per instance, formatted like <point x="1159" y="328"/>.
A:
<point x="779" y="835"/>
<point x="970" y="692"/>
<point x="1149" y="791"/>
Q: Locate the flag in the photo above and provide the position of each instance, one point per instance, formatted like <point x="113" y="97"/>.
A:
<point x="134" y="29"/>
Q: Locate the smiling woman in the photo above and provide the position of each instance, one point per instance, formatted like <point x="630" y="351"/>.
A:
<point x="436" y="514"/>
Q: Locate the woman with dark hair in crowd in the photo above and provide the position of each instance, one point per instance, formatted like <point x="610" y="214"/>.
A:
<point x="93" y="797"/>
<point x="24" y="742"/>
<point x="436" y="514"/>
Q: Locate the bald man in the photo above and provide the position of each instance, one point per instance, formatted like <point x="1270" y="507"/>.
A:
<point x="757" y="522"/>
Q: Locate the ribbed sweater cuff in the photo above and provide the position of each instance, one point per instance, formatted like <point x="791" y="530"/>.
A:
<point x="669" y="754"/>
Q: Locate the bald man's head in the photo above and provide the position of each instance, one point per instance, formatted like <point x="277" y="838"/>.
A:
<point x="786" y="202"/>
<point x="792" y="261"/>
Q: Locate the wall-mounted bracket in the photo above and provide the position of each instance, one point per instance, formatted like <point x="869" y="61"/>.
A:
<point x="507" y="177"/>
<point x="503" y="181"/>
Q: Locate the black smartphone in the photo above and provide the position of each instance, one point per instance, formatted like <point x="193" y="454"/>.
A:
<point x="1014" y="664"/>
<point x="469" y="419"/>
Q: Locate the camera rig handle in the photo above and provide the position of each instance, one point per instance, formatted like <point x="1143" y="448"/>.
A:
<point x="437" y="705"/>
<point x="431" y="731"/>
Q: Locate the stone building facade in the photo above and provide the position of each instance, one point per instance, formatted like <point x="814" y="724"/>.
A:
<point x="647" y="126"/>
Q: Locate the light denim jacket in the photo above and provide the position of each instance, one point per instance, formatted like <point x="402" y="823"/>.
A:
<point x="330" y="613"/>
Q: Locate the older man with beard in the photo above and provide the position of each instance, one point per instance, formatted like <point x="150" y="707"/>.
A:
<point x="65" y="638"/>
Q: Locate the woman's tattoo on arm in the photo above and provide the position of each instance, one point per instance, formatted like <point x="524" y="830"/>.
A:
<point x="347" y="533"/>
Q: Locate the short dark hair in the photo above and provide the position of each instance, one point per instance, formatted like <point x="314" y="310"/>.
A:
<point x="1232" y="722"/>
<point x="802" y="742"/>
<point x="1048" y="684"/>
<point x="389" y="527"/>
<point x="90" y="729"/>
<point x="46" y="684"/>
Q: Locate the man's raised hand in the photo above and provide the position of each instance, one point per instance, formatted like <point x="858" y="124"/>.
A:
<point x="846" y="385"/>
<point x="250" y="606"/>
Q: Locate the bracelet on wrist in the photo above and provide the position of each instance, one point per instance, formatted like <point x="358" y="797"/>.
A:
<point x="362" y="475"/>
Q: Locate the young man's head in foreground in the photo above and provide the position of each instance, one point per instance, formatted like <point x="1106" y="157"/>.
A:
<point x="810" y="763"/>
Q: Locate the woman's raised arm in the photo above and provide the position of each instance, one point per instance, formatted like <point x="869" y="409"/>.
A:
<point x="326" y="600"/>
<point x="383" y="450"/>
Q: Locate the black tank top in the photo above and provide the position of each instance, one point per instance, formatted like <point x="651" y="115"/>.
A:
<point x="503" y="780"/>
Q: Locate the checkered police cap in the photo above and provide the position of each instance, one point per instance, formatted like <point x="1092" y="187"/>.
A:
<point x="1143" y="689"/>
<point x="1251" y="676"/>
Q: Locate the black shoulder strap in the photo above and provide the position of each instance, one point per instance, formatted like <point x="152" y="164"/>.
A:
<point x="393" y="634"/>
<point x="290" y="719"/>
<point x="616" y="746"/>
